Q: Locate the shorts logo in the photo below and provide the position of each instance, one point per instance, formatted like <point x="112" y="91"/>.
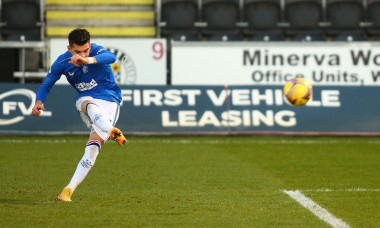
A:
<point x="97" y="117"/>
<point x="83" y="86"/>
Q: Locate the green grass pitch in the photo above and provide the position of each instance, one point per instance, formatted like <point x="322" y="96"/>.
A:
<point x="205" y="181"/>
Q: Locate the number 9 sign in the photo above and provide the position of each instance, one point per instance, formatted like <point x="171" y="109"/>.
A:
<point x="158" y="50"/>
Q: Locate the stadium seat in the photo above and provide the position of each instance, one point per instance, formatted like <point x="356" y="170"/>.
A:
<point x="373" y="16"/>
<point x="21" y="20"/>
<point x="178" y="18"/>
<point x="303" y="18"/>
<point x="8" y="64"/>
<point x="266" y="37"/>
<point x="262" y="18"/>
<point x="308" y="37"/>
<point x="225" y="37"/>
<point x="221" y="17"/>
<point x="34" y="60"/>
<point x="344" y="17"/>
<point x="183" y="36"/>
<point x="350" y="37"/>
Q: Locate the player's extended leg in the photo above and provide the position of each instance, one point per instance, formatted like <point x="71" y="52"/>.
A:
<point x="91" y="109"/>
<point x="100" y="120"/>
<point x="91" y="151"/>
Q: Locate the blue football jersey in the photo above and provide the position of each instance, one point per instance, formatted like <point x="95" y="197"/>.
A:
<point x="95" y="80"/>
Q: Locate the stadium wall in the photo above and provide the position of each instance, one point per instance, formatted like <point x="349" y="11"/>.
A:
<point x="333" y="110"/>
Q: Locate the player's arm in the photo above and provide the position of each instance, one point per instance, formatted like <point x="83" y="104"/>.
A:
<point x="79" y="60"/>
<point x="102" y="55"/>
<point x="53" y="75"/>
<point x="37" y="107"/>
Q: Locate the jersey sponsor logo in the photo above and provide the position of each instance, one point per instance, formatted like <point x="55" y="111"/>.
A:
<point x="83" y="86"/>
<point x="16" y="105"/>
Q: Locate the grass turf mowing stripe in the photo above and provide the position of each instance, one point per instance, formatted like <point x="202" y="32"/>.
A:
<point x="319" y="211"/>
<point x="170" y="182"/>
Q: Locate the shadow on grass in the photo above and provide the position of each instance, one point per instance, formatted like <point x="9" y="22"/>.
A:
<point x="9" y="202"/>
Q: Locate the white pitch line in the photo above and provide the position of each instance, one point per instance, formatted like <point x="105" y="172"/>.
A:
<point x="319" y="211"/>
<point x="342" y="190"/>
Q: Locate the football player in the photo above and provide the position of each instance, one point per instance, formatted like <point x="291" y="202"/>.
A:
<point x="87" y="68"/>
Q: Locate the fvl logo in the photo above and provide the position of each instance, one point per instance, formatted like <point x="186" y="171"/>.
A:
<point x="11" y="106"/>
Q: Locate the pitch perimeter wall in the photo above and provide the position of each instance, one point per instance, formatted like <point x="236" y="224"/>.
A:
<point x="227" y="88"/>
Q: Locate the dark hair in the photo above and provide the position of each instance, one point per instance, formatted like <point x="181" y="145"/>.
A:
<point x="79" y="37"/>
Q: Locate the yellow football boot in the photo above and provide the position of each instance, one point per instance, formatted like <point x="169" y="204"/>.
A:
<point x="65" y="195"/>
<point x="117" y="135"/>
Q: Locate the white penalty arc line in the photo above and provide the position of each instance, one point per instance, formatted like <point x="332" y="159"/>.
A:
<point x="317" y="210"/>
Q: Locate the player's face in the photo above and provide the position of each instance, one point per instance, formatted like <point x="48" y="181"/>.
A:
<point x="83" y="50"/>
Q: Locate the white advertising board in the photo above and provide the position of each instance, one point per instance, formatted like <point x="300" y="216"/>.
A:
<point x="138" y="61"/>
<point x="258" y="63"/>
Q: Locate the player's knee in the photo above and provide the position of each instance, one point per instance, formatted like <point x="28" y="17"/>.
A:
<point x="87" y="105"/>
<point x="92" y="150"/>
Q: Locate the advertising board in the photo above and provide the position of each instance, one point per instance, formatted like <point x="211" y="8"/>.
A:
<point x="336" y="110"/>
<point x="272" y="63"/>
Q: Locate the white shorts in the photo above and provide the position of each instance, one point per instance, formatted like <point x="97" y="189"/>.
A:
<point x="110" y="109"/>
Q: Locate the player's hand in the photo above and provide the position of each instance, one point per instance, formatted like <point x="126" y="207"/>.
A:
<point x="78" y="60"/>
<point x="37" y="107"/>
